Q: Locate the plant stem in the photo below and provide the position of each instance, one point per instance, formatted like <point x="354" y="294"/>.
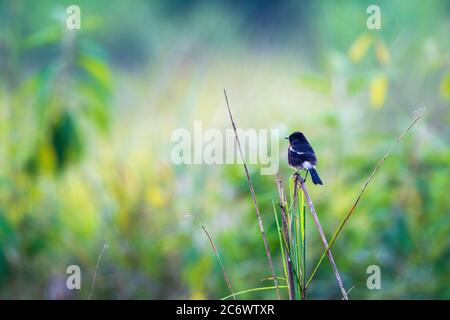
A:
<point x="227" y="280"/>
<point x="295" y="218"/>
<point x="322" y="235"/>
<point x="105" y="246"/>
<point x="285" y="229"/>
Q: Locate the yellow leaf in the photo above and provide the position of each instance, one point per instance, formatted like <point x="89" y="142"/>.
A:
<point x="78" y="206"/>
<point x="46" y="158"/>
<point x="378" y="91"/>
<point x="156" y="197"/>
<point x="359" y="47"/>
<point x="382" y="52"/>
<point x="444" y="87"/>
<point x="198" y="296"/>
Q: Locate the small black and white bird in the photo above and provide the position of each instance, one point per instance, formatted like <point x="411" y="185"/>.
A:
<point x="301" y="155"/>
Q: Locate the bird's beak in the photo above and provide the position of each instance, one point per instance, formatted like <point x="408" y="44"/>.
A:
<point x="286" y="138"/>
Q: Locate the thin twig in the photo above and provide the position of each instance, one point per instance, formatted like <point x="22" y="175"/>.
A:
<point x="227" y="280"/>
<point x="286" y="239"/>
<point x="350" y="290"/>
<point x="380" y="163"/>
<point x="252" y="191"/>
<point x="270" y="279"/>
<point x="105" y="246"/>
<point x="299" y="180"/>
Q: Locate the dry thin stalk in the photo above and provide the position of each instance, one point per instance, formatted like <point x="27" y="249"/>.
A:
<point x="380" y="163"/>
<point x="252" y="191"/>
<point x="286" y="239"/>
<point x="105" y="246"/>
<point x="227" y="280"/>
<point x="216" y="252"/>
<point x="322" y="235"/>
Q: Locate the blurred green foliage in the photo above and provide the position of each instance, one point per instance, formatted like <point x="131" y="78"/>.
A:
<point x="85" y="124"/>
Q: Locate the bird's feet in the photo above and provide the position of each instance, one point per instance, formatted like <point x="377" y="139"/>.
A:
<point x="297" y="176"/>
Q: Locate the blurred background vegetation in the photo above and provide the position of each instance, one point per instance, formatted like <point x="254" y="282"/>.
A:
<point x="86" y="118"/>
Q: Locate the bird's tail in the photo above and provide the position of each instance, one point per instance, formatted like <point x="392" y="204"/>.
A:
<point x="315" y="176"/>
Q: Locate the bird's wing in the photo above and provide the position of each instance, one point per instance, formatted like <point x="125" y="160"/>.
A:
<point x="308" y="148"/>
<point x="293" y="149"/>
<point x="304" y="150"/>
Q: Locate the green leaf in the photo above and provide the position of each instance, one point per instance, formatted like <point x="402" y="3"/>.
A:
<point x="95" y="106"/>
<point x="356" y="85"/>
<point x="97" y="69"/>
<point x="42" y="37"/>
<point x="66" y="140"/>
<point x="315" y="82"/>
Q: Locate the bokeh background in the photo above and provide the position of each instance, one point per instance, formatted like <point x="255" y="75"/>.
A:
<point x="86" y="119"/>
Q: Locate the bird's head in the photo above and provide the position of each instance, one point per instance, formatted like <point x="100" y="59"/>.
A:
<point x="296" y="137"/>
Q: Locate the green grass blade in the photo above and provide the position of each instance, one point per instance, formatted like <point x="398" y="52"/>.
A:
<point x="300" y="247"/>
<point x="303" y="235"/>
<point x="280" y="240"/>
<point x="253" y="290"/>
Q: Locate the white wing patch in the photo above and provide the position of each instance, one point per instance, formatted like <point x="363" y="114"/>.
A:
<point x="292" y="149"/>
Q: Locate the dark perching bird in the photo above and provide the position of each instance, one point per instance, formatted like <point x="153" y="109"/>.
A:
<point x="301" y="155"/>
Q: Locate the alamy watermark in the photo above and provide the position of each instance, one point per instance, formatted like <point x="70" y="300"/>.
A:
<point x="374" y="280"/>
<point x="374" y="20"/>
<point x="213" y="146"/>
<point x="73" y="281"/>
<point x="73" y="20"/>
